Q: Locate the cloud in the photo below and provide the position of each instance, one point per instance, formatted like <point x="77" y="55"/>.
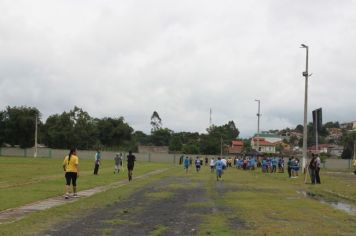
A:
<point x="119" y="58"/>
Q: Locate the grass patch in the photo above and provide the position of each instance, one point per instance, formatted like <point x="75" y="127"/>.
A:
<point x="159" y="195"/>
<point x="158" y="230"/>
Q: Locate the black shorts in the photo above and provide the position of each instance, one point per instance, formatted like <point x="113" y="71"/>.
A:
<point x="71" y="177"/>
<point x="130" y="167"/>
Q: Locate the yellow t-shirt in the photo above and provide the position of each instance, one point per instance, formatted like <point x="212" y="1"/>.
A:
<point x="354" y="164"/>
<point x="71" y="166"/>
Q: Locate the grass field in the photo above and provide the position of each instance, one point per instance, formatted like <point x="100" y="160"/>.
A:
<point x="246" y="202"/>
<point x="25" y="180"/>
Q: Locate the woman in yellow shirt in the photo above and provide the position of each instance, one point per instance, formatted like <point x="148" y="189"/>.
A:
<point x="71" y="167"/>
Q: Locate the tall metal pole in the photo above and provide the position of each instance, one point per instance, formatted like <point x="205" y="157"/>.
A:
<point x="35" y="154"/>
<point x="305" y="127"/>
<point x="221" y="146"/>
<point x="258" y="125"/>
<point x="354" y="149"/>
<point x="316" y="132"/>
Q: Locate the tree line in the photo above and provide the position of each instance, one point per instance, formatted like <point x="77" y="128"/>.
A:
<point x="76" y="128"/>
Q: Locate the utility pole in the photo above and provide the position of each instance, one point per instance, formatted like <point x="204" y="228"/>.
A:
<point x="316" y="132"/>
<point x="35" y="154"/>
<point x="354" y="149"/>
<point x="305" y="128"/>
<point x="221" y="146"/>
<point x="210" y="122"/>
<point x="258" y="125"/>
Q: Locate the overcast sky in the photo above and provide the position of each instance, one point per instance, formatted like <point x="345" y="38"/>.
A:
<point x="180" y="58"/>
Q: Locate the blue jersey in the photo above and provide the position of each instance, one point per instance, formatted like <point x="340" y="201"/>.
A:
<point x="274" y="162"/>
<point x="219" y="165"/>
<point x="186" y="162"/>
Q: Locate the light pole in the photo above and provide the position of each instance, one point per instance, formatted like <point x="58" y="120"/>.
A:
<point x="36" y="127"/>
<point x="258" y="125"/>
<point x="305" y="128"/>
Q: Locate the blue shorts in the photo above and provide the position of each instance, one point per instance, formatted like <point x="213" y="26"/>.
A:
<point x="219" y="172"/>
<point x="186" y="166"/>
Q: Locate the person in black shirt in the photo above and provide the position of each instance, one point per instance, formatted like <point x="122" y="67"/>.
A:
<point x="130" y="164"/>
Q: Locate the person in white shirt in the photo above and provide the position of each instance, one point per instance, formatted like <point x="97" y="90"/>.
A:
<point x="212" y="165"/>
<point x="224" y="162"/>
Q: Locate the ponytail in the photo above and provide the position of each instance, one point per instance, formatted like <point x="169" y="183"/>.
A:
<point x="70" y="154"/>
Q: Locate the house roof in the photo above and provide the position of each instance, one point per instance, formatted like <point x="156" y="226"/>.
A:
<point x="237" y="143"/>
<point x="267" y="135"/>
<point x="263" y="142"/>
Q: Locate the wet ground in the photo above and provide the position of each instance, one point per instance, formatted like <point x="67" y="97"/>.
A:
<point x="170" y="206"/>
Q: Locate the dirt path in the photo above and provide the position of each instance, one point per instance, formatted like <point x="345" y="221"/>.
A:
<point x="170" y="206"/>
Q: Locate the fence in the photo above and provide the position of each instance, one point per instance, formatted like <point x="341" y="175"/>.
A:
<point x="150" y="157"/>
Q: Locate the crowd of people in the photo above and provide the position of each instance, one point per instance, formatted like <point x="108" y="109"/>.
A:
<point x="267" y="164"/>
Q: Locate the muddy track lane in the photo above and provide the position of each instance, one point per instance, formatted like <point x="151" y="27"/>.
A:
<point x="170" y="206"/>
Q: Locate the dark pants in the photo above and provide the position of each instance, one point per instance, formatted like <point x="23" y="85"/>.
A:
<point x="317" y="176"/>
<point x="312" y="175"/>
<point x="96" y="169"/>
<point x="289" y="171"/>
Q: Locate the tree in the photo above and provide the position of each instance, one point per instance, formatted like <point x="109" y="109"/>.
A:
<point x="299" y="128"/>
<point x="114" y="132"/>
<point x="161" y="137"/>
<point x="156" y="121"/>
<point x="176" y="143"/>
<point x="247" y="146"/>
<point x="348" y="140"/>
<point x="19" y="125"/>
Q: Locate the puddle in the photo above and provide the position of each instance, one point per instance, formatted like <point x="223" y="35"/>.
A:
<point x="350" y="209"/>
<point x="339" y="205"/>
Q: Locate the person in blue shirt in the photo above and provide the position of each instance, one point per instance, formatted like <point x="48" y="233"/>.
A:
<point x="186" y="164"/>
<point x="274" y="164"/>
<point x="219" y="168"/>
<point x="264" y="165"/>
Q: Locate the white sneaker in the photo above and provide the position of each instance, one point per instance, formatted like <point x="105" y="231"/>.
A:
<point x="75" y="195"/>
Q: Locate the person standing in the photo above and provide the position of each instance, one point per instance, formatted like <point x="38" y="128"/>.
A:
<point x="130" y="164"/>
<point x="118" y="162"/>
<point x="71" y="168"/>
<point x="219" y="168"/>
<point x="317" y="169"/>
<point x="289" y="165"/>
<point x="312" y="169"/>
<point x="97" y="162"/>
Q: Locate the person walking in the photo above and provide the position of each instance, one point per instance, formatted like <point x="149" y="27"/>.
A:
<point x="71" y="168"/>
<point x="130" y="164"/>
<point x="186" y="164"/>
<point x="219" y="168"/>
<point x="212" y="165"/>
<point x="197" y="164"/>
<point x="97" y="162"/>
<point x="118" y="162"/>
<point x="317" y="169"/>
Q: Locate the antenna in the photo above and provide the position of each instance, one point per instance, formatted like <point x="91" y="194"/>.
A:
<point x="210" y="122"/>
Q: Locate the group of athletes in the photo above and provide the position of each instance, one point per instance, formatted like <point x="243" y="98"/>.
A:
<point x="71" y="168"/>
